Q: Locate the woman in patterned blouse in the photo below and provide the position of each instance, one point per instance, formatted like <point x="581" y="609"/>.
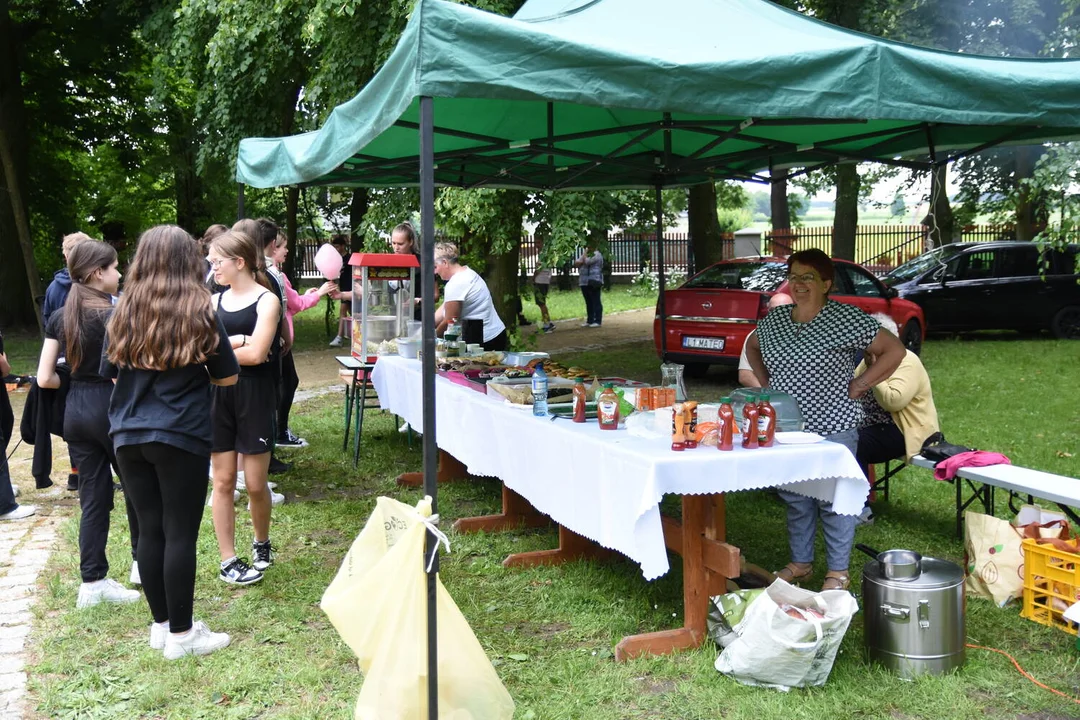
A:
<point x="809" y="350"/>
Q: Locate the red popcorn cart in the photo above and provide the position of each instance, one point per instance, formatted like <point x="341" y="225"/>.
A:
<point x="382" y="302"/>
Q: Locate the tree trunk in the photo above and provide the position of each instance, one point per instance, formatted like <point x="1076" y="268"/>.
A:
<point x="192" y="213"/>
<point x="940" y="219"/>
<point x="783" y="239"/>
<point x="1026" y="211"/>
<point x="358" y="208"/>
<point x="503" y="256"/>
<point x="20" y="284"/>
<point x="292" y="204"/>
<point x="705" y="236"/>
<point x="846" y="220"/>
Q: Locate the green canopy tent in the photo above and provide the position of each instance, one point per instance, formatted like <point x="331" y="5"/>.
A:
<point x="591" y="94"/>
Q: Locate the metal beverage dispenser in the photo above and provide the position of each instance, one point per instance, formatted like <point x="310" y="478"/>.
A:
<point x="382" y="300"/>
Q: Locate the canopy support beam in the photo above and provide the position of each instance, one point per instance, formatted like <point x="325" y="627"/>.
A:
<point x="431" y="459"/>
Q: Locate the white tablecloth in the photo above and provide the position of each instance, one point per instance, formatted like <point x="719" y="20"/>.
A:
<point x="605" y="484"/>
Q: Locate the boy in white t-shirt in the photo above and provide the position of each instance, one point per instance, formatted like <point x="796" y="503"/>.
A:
<point x="466" y="297"/>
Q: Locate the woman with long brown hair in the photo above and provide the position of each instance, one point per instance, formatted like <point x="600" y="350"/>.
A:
<point x="166" y="348"/>
<point x="77" y="332"/>
<point x="243" y="416"/>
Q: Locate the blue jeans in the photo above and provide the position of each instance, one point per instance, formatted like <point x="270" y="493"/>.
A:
<point x="802" y="515"/>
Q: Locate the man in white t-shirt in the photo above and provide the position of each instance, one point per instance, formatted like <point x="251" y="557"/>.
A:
<point x="466" y="297"/>
<point x="746" y="373"/>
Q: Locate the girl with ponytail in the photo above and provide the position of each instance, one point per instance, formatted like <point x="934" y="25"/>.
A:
<point x="77" y="332"/>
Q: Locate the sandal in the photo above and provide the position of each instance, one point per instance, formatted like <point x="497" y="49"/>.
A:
<point x="836" y="580"/>
<point x="793" y="571"/>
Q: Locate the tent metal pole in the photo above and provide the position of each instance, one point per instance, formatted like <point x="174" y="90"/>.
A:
<point x="427" y="300"/>
<point x="240" y="214"/>
<point x="660" y="304"/>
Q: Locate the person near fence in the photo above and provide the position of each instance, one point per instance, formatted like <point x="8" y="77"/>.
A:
<point x="541" y="284"/>
<point x="78" y="331"/>
<point x="466" y="298"/>
<point x="166" y="348"/>
<point x="590" y="265"/>
<point x="294" y="303"/>
<point x="242" y="416"/>
<point x="809" y="350"/>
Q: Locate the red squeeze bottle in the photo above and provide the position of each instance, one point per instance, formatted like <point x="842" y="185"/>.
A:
<point x="766" y="421"/>
<point x="579" y="400"/>
<point x="690" y="421"/>
<point x="726" y="418"/>
<point x="750" y="423"/>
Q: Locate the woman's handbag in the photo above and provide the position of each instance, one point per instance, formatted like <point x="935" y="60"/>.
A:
<point x="936" y="448"/>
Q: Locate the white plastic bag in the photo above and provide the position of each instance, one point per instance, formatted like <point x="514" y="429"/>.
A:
<point x="777" y="650"/>
<point x="378" y="604"/>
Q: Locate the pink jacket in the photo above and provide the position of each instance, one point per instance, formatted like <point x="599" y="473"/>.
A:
<point x="946" y="469"/>
<point x="295" y="302"/>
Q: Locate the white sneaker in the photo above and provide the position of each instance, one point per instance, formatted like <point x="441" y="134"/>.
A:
<point x="23" y="511"/>
<point x="336" y="342"/>
<point x="275" y="499"/>
<point x="106" y="590"/>
<point x="241" y="483"/>
<point x="135" y="578"/>
<point x="593" y="325"/>
<point x="404" y="428"/>
<point x="158" y="633"/>
<point x="15" y="491"/>
<point x="197" y="641"/>
<point x="210" y="500"/>
<point x="585" y="324"/>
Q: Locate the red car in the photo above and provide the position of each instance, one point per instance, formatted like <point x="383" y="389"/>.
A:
<point x="710" y="315"/>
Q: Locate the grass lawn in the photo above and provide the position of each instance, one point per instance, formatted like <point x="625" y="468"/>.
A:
<point x="551" y="631"/>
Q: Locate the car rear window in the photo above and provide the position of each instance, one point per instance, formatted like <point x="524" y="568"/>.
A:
<point x="756" y="276"/>
<point x="915" y="268"/>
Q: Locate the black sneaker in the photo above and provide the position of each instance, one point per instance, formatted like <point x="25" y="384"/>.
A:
<point x="289" y="440"/>
<point x="262" y="554"/>
<point x="73" y="482"/>
<point x="238" y="572"/>
<point x="277" y="467"/>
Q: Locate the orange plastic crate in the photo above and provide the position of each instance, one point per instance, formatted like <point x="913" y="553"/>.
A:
<point x="1051" y="584"/>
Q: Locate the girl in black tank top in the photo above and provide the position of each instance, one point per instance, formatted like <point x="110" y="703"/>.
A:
<point x="242" y="415"/>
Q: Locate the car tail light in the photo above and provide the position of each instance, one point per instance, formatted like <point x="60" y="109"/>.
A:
<point x="763" y="306"/>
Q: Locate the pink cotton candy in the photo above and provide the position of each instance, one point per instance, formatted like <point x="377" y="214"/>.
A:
<point x="946" y="469"/>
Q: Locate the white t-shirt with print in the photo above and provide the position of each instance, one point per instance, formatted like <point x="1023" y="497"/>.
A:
<point x="468" y="288"/>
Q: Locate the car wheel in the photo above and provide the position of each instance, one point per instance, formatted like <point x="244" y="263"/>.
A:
<point x="911" y="336"/>
<point x="696" y="370"/>
<point x="1066" y="323"/>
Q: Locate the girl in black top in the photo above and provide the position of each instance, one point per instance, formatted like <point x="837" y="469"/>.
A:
<point x="165" y="349"/>
<point x="243" y="416"/>
<point x="9" y="508"/>
<point x="77" y="331"/>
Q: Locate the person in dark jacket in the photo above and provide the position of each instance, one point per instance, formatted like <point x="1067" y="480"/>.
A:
<point x="9" y="508"/>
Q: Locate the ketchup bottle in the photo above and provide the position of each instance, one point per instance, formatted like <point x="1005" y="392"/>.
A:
<point x="750" y="423"/>
<point x="579" y="400"/>
<point x="766" y="421"/>
<point x="607" y="408"/>
<point x="725" y="416"/>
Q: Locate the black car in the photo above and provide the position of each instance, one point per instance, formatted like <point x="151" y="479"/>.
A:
<point x="994" y="286"/>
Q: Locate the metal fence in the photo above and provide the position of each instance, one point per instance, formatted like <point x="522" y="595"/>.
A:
<point x="627" y="254"/>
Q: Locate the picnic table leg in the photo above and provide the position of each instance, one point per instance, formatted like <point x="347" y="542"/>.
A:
<point x="707" y="563"/>
<point x="571" y="547"/>
<point x="350" y="392"/>
<point x="516" y="512"/>
<point x="360" y="419"/>
<point x="450" y="468"/>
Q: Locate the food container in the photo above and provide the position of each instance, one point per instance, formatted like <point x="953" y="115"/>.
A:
<point x="914" y="625"/>
<point x="789" y="417"/>
<point x="408" y="347"/>
<point x="1051" y="585"/>
<point x="524" y="358"/>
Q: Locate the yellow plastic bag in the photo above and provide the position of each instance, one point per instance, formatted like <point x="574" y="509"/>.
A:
<point x="378" y="604"/>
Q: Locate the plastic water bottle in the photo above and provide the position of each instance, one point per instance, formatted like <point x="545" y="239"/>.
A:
<point x="540" y="390"/>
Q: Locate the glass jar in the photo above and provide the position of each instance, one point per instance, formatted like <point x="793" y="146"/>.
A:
<point x="671" y="376"/>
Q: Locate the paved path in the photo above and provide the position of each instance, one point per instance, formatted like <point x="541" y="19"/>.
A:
<point x="24" y="549"/>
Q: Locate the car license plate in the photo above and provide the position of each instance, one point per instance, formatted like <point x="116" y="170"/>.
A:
<point x="703" y="343"/>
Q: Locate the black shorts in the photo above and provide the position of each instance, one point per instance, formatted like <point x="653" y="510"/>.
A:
<point x="346" y="307"/>
<point x="243" y="415"/>
<point x="540" y="293"/>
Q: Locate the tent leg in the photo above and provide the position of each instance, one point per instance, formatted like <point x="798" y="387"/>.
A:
<point x="427" y="294"/>
<point x="661" y="306"/>
<point x="240" y="212"/>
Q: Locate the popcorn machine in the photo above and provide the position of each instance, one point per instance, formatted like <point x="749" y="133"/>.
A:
<point x="382" y="300"/>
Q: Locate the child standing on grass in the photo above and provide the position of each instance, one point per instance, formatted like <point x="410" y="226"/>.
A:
<point x="243" y="415"/>
<point x="77" y="331"/>
<point x="166" y="348"/>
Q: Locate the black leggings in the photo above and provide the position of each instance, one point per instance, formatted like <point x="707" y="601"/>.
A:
<point x="879" y="443"/>
<point x="168" y="486"/>
<point x="86" y="429"/>
<point x="289" y="382"/>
